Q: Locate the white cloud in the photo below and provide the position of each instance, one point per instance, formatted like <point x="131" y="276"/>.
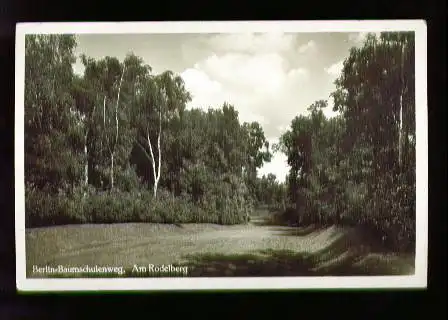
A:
<point x="252" y="73"/>
<point x="358" y="38"/>
<point x="335" y="69"/>
<point x="278" y="166"/>
<point x="252" y="43"/>
<point x="328" y="111"/>
<point x="249" y="82"/>
<point x="247" y="72"/>
<point x="310" y="46"/>
<point x="198" y="80"/>
<point x="78" y="67"/>
<point x="282" y="128"/>
<point x="205" y="92"/>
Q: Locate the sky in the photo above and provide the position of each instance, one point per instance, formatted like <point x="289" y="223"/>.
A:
<point x="267" y="77"/>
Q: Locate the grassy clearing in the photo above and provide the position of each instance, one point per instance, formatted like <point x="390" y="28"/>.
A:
<point x="213" y="250"/>
<point x="274" y="263"/>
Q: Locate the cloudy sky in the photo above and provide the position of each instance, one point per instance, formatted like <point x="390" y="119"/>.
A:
<point x="269" y="78"/>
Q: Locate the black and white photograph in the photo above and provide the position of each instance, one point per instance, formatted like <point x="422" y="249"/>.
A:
<point x="221" y="155"/>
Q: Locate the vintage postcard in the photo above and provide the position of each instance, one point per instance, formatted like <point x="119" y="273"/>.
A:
<point x="221" y="155"/>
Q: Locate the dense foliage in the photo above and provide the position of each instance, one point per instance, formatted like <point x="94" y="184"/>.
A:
<point x="118" y="144"/>
<point x="359" y="168"/>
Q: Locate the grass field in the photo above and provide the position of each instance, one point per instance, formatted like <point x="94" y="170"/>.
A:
<point x="255" y="249"/>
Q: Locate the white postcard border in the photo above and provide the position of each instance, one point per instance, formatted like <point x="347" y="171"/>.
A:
<point x="418" y="280"/>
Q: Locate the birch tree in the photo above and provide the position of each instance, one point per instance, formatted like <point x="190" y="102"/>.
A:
<point x="163" y="98"/>
<point x="86" y="106"/>
<point x="112" y="145"/>
<point x="111" y="128"/>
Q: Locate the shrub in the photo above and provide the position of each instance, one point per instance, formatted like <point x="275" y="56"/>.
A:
<point x="386" y="211"/>
<point x="90" y="206"/>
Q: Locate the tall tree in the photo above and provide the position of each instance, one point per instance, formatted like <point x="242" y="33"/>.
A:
<point x="86" y="106"/>
<point x="52" y="130"/>
<point x="257" y="153"/>
<point x="164" y="97"/>
<point x="296" y="143"/>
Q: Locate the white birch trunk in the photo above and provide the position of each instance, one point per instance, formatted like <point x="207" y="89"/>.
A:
<point x="104" y="130"/>
<point x="112" y="151"/>
<point x="153" y="163"/>
<point x="400" y="126"/>
<point x="86" y="151"/>
<point x="112" y="156"/>
<point x="156" y="181"/>
<point x="86" y="164"/>
<point x="156" y="170"/>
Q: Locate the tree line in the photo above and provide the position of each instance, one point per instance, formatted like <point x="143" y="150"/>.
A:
<point x="358" y="168"/>
<point x="118" y="144"/>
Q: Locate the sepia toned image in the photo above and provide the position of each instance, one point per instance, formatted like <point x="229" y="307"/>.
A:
<point x="221" y="155"/>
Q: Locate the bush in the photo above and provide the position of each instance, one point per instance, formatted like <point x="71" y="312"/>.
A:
<point x="43" y="208"/>
<point x="388" y="213"/>
<point x="89" y="206"/>
<point x="392" y="214"/>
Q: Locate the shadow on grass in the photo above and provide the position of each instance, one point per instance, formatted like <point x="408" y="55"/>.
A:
<point x="286" y="229"/>
<point x="268" y="220"/>
<point x="340" y="258"/>
<point x="299" y="231"/>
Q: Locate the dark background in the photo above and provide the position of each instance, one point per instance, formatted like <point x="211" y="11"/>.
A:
<point x="361" y="304"/>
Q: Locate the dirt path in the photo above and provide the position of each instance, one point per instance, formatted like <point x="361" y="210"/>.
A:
<point x="142" y="244"/>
